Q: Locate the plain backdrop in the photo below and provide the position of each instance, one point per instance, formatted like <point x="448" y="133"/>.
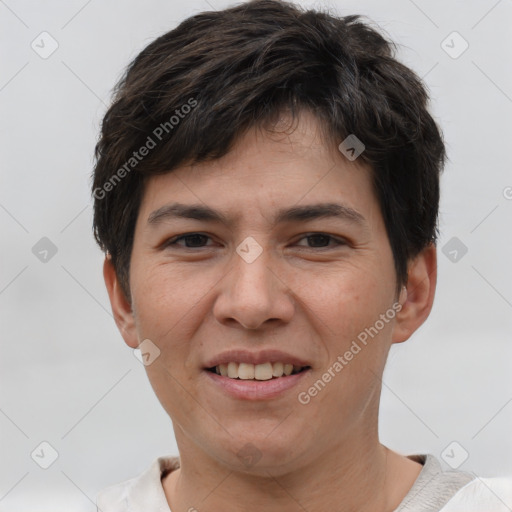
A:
<point x="67" y="378"/>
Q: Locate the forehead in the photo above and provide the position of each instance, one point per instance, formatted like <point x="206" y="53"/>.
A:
<point x="266" y="171"/>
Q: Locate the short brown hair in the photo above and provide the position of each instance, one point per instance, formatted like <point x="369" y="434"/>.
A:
<point x="204" y="83"/>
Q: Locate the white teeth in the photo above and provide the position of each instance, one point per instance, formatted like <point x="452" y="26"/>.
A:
<point x="277" y="369"/>
<point x="245" y="371"/>
<point x="264" y="371"/>
<point x="233" y="370"/>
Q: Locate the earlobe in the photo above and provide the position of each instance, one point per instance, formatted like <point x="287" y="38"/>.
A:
<point x="418" y="296"/>
<point x="121" y="308"/>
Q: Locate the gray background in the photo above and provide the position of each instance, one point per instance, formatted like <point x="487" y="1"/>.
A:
<point x="66" y="376"/>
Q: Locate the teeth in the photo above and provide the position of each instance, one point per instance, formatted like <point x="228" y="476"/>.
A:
<point x="265" y="371"/>
<point x="245" y="371"/>
<point x="233" y="370"/>
<point x="277" y="369"/>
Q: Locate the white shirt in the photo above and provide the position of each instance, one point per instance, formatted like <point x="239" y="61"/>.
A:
<point x="434" y="490"/>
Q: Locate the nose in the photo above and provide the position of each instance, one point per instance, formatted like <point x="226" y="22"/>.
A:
<point x="254" y="295"/>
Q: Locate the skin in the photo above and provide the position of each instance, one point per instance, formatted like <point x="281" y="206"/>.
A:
<point x="308" y="297"/>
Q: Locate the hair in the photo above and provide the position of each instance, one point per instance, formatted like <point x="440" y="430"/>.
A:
<point x="194" y="91"/>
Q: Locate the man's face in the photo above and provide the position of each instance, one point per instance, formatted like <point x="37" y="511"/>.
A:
<point x="300" y="288"/>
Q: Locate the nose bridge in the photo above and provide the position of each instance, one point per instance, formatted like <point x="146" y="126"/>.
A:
<point x="252" y="274"/>
<point x="253" y="294"/>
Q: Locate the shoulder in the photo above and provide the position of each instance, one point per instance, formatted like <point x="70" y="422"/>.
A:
<point x="115" y="497"/>
<point x="137" y="493"/>
<point x="483" y="495"/>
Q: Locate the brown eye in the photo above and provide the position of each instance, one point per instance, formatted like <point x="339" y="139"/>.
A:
<point x="321" y="240"/>
<point x="192" y="241"/>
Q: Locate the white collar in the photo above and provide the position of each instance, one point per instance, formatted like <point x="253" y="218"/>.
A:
<point x="140" y="494"/>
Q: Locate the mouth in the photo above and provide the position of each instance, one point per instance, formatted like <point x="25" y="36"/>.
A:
<point x="245" y="375"/>
<point x="257" y="372"/>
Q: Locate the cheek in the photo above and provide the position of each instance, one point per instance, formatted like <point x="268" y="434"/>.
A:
<point x="170" y="306"/>
<point x="345" y="313"/>
<point x="342" y="303"/>
<point x="163" y="297"/>
<point x="164" y="308"/>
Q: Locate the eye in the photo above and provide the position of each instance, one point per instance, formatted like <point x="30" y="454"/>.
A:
<point x="321" y="240"/>
<point x="199" y="240"/>
<point x="192" y="240"/>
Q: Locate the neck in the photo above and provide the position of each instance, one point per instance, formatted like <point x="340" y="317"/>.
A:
<point x="344" y="479"/>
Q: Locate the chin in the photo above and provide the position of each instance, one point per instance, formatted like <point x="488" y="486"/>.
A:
<point x="260" y="455"/>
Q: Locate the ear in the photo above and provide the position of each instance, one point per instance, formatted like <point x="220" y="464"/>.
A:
<point x="417" y="296"/>
<point x="121" y="308"/>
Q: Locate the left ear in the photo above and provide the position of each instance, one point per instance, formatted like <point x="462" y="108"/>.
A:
<point x="418" y="296"/>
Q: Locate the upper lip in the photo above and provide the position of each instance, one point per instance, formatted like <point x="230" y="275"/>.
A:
<point x="260" y="357"/>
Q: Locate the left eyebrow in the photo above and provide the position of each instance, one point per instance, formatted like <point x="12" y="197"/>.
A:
<point x="294" y="214"/>
<point x="318" y="211"/>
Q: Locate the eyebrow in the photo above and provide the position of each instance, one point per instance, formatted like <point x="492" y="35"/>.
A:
<point x="293" y="214"/>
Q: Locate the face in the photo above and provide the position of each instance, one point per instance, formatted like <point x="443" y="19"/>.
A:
<point x="283" y="259"/>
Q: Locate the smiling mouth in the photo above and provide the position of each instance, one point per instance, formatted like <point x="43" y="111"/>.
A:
<point x="264" y="371"/>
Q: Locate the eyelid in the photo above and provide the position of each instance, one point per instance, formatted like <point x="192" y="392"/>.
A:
<point x="338" y="241"/>
<point x="172" y="241"/>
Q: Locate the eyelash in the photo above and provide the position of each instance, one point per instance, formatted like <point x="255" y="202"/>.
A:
<point x="173" y="241"/>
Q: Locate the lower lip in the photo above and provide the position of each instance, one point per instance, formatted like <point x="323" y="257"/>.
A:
<point x="256" y="389"/>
